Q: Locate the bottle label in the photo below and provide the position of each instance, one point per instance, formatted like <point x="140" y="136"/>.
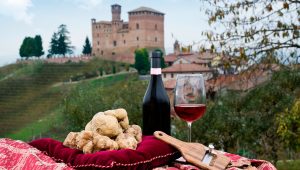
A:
<point x="155" y="71"/>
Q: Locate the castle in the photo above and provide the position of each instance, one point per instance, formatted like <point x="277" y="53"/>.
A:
<point x="117" y="40"/>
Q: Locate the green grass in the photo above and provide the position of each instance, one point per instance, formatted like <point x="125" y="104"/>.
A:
<point x="109" y="80"/>
<point x="288" y="165"/>
<point x="8" y="70"/>
<point x="38" y="128"/>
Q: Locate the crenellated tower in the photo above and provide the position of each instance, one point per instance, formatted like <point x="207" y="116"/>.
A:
<point x="116" y="12"/>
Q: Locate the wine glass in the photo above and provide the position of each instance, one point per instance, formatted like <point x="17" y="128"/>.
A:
<point x="190" y="98"/>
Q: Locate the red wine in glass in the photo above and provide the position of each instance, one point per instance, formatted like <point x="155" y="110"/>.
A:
<point x="190" y="112"/>
<point x="190" y="98"/>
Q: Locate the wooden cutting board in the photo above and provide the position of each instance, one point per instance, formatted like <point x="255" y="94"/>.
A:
<point x="194" y="152"/>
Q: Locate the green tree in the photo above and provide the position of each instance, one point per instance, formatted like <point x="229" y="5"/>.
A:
<point x="38" y="46"/>
<point x="62" y="46"/>
<point x="101" y="71"/>
<point x="53" y="50"/>
<point x="27" y="48"/>
<point x="64" y="43"/>
<point x="142" y="63"/>
<point x="114" y="69"/>
<point x="248" y="30"/>
<point x="162" y="61"/>
<point x="289" y="126"/>
<point x="22" y="50"/>
<point x="87" y="48"/>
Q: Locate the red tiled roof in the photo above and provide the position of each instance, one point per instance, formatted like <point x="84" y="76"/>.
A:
<point x="142" y="9"/>
<point x="170" y="58"/>
<point x="198" y="58"/>
<point x="195" y="58"/>
<point x="245" y="80"/>
<point x="185" y="54"/>
<point x="186" y="68"/>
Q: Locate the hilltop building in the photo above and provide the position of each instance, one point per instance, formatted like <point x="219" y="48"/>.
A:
<point x="117" y="40"/>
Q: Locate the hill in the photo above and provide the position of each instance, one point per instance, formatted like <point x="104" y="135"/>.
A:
<point x="28" y="92"/>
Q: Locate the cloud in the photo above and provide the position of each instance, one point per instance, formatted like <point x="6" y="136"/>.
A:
<point x="18" y="9"/>
<point x="87" y="4"/>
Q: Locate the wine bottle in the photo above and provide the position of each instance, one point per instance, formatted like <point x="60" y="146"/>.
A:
<point x="156" y="104"/>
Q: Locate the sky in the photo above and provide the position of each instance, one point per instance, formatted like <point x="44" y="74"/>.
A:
<point x="184" y="21"/>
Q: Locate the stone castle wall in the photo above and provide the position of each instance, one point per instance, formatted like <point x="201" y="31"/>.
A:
<point x="112" y="39"/>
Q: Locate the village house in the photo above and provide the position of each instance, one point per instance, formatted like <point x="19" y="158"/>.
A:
<point x="186" y="68"/>
<point x="243" y="81"/>
<point x="186" y="63"/>
<point x="202" y="58"/>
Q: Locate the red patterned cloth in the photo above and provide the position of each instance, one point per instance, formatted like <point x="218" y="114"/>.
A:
<point x="239" y="162"/>
<point x="17" y="155"/>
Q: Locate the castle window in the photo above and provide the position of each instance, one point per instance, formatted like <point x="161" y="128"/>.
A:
<point x="137" y="38"/>
<point x="137" y="26"/>
<point x="115" y="43"/>
<point x="124" y="41"/>
<point x="97" y="49"/>
<point x="96" y="26"/>
<point x="113" y="53"/>
<point x="155" y="39"/>
<point x="155" y="26"/>
<point x="98" y="42"/>
<point x="101" y="51"/>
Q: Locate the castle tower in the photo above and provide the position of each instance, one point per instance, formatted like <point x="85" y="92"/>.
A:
<point x="116" y="12"/>
<point x="146" y="26"/>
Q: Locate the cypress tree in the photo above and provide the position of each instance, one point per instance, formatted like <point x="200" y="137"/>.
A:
<point x="87" y="48"/>
<point x="53" y="50"/>
<point x="38" y="51"/>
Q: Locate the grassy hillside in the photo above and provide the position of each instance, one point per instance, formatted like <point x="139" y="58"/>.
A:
<point x="28" y="94"/>
<point x="54" y="124"/>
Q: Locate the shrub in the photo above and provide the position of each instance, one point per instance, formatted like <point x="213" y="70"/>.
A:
<point x="100" y="71"/>
<point x="90" y="74"/>
<point x="77" y="77"/>
<point x="88" y="99"/>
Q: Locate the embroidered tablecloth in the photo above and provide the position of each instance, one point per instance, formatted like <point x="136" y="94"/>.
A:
<point x="15" y="154"/>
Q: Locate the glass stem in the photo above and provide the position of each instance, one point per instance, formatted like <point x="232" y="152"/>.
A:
<point x="190" y="131"/>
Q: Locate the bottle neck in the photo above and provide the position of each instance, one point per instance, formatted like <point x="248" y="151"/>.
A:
<point x="155" y="66"/>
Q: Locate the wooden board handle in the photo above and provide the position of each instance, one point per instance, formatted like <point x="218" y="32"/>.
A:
<point x="168" y="139"/>
<point x="194" y="152"/>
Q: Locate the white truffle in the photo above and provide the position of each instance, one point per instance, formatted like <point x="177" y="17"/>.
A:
<point x="106" y="125"/>
<point x="126" y="141"/>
